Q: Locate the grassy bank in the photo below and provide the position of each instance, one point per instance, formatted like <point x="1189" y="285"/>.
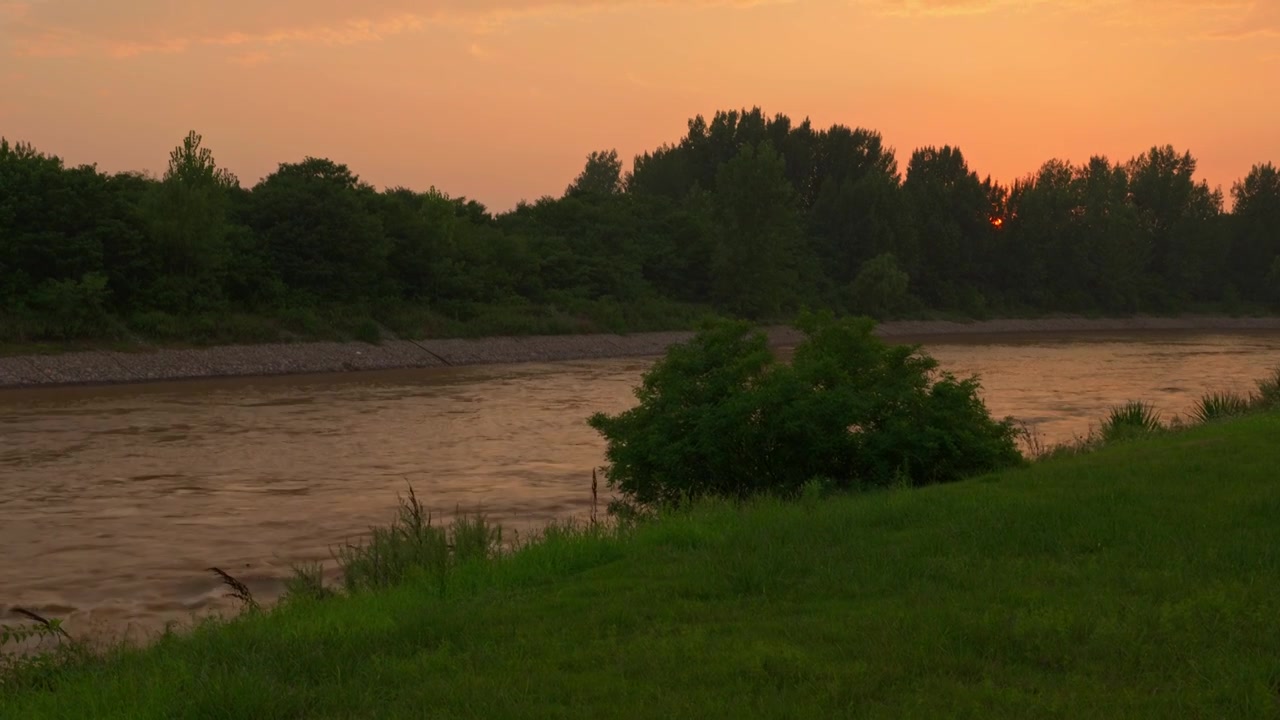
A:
<point x="29" y="335"/>
<point x="1139" y="580"/>
<point x="352" y="323"/>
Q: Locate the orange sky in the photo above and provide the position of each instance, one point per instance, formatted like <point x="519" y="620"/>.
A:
<point x="502" y="99"/>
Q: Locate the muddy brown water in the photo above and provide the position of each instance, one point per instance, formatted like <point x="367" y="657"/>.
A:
<point x="114" y="500"/>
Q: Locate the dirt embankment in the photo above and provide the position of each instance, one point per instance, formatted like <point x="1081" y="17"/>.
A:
<point x="323" y="357"/>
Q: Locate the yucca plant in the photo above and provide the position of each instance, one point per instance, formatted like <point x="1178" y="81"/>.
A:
<point x="1268" y="395"/>
<point x="1220" y="405"/>
<point x="1131" y="419"/>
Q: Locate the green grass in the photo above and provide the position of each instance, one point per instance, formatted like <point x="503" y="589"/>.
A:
<point x="1138" y="581"/>
<point x="26" y="334"/>
<point x="356" y="323"/>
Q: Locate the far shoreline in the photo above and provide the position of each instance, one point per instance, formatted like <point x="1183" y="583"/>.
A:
<point x="103" y="367"/>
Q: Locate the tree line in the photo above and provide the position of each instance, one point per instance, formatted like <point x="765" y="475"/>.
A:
<point x="747" y="215"/>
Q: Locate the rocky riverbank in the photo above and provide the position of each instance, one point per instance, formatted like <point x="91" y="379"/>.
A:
<point x="100" y="367"/>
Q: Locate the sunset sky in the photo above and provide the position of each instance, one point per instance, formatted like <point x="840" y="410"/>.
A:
<point x="500" y="100"/>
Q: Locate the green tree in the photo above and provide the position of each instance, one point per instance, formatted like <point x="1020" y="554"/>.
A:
<point x="62" y="231"/>
<point x="601" y="176"/>
<point x="1109" y="224"/>
<point x="695" y="161"/>
<point x="1178" y="217"/>
<point x="857" y="209"/>
<point x="952" y="210"/>
<point x="880" y="288"/>
<point x="190" y="227"/>
<point x="1271" y="293"/>
<point x="48" y="223"/>
<point x="754" y="266"/>
<point x="1256" y="232"/>
<point x="421" y="230"/>
<point x="317" y="221"/>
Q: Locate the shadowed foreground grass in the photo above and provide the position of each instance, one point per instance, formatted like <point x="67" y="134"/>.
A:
<point x="1139" y="581"/>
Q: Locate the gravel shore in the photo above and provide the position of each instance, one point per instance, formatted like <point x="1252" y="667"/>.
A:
<point x="325" y="357"/>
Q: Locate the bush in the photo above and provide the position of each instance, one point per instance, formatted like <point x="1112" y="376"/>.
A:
<point x="1132" y="419"/>
<point x="74" y="309"/>
<point x="412" y="543"/>
<point x="1268" y="395"/>
<point x="880" y="288"/>
<point x="719" y="416"/>
<point x="1220" y="405"/>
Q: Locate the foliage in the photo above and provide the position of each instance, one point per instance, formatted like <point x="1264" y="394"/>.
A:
<point x="1131" y="419"/>
<point x="601" y="176"/>
<point x="753" y="268"/>
<point x="1268" y="395"/>
<point x="39" y="666"/>
<point x="880" y="288"/>
<point x="1078" y="588"/>
<point x="748" y="215"/>
<point x="1220" y="405"/>
<point x="719" y="416"/>
<point x="411" y="544"/>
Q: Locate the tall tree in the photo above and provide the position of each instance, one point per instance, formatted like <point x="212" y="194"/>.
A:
<point x="190" y="226"/>
<point x="755" y="262"/>
<point x="1178" y="217"/>
<point x="602" y="176"/>
<point x="1255" y="247"/>
<point x="420" y="229"/>
<point x="856" y="207"/>
<point x="952" y="209"/>
<point x="316" y="218"/>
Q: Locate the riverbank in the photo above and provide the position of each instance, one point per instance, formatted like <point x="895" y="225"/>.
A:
<point x="1134" y="581"/>
<point x="156" y="364"/>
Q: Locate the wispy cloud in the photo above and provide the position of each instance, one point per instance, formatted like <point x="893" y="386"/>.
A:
<point x="945" y="8"/>
<point x="1260" y="18"/>
<point x="14" y="11"/>
<point x="61" y="28"/>
<point x="251" y="59"/>
<point x="1216" y="19"/>
<point x="349" y="32"/>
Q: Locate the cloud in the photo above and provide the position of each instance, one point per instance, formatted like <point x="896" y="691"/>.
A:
<point x="59" y="28"/>
<point x="945" y="8"/>
<point x="1210" y="19"/>
<point x="1260" y="19"/>
<point x="250" y="59"/>
<point x="347" y="33"/>
<point x="1134" y="10"/>
<point x="941" y="7"/>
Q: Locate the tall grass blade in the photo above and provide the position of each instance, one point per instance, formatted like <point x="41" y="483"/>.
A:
<point x="239" y="590"/>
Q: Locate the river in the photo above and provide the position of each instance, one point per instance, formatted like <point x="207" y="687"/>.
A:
<point x="114" y="499"/>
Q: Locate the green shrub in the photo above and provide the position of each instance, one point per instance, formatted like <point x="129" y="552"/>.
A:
<point x="1131" y="419"/>
<point x="1220" y="405"/>
<point x="367" y="331"/>
<point x="1268" y="395"/>
<point x="304" y="320"/>
<point x="74" y="309"/>
<point x="411" y="544"/>
<point x="880" y="287"/>
<point x="719" y="416"/>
